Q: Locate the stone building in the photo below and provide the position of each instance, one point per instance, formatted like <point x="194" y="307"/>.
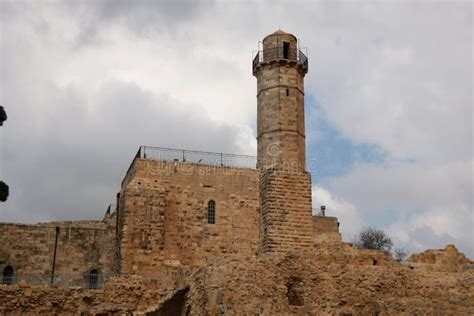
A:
<point x="179" y="208"/>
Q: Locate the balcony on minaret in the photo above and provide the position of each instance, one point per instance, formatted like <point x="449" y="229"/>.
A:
<point x="280" y="47"/>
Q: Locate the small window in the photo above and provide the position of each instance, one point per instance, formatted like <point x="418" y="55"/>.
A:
<point x="93" y="279"/>
<point x="286" y="50"/>
<point x="8" y="275"/>
<point x="287" y="92"/>
<point x="211" y="212"/>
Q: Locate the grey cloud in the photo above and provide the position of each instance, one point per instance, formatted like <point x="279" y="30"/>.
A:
<point x="429" y="239"/>
<point x="66" y="147"/>
<point x="408" y="186"/>
<point x="143" y="17"/>
<point x="396" y="76"/>
<point x="69" y="163"/>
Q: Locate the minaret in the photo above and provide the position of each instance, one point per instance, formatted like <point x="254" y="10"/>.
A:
<point x="285" y="186"/>
<point x="280" y="69"/>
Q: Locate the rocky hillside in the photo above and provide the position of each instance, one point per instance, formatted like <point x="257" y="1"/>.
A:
<point x="334" y="280"/>
<point x="331" y="279"/>
<point x="448" y="259"/>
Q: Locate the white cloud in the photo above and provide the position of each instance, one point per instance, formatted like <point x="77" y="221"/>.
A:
<point x="397" y="76"/>
<point x="347" y="214"/>
<point x="434" y="229"/>
<point x="407" y="89"/>
<point x="423" y="198"/>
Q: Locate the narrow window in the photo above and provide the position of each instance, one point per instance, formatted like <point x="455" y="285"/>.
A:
<point x="287" y="92"/>
<point x="8" y="275"/>
<point x="211" y="212"/>
<point x="286" y="50"/>
<point x="93" y="279"/>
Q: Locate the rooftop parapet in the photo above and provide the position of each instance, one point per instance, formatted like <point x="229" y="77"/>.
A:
<point x="280" y="47"/>
<point x="278" y="54"/>
<point x="194" y="156"/>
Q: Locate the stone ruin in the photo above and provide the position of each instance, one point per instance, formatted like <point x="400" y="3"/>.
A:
<point x="196" y="233"/>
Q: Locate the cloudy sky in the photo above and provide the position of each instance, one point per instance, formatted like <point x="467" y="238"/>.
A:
<point x="388" y="101"/>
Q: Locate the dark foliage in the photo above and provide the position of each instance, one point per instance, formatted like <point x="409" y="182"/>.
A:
<point x="400" y="254"/>
<point x="3" y="115"/>
<point x="4" y="191"/>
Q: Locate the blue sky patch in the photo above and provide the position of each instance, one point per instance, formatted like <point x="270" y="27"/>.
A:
<point x="333" y="153"/>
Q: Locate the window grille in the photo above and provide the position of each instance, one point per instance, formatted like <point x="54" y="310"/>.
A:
<point x="211" y="212"/>
<point x="8" y="275"/>
<point x="93" y="279"/>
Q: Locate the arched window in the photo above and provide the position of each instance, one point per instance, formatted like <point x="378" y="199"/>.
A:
<point x="8" y="275"/>
<point x="93" y="279"/>
<point x="211" y="212"/>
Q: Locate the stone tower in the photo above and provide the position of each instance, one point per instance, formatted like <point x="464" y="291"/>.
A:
<point x="285" y="186"/>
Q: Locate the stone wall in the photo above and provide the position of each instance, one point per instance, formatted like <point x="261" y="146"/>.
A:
<point x="329" y="279"/>
<point x="162" y="223"/>
<point x="273" y="46"/>
<point x="163" y="215"/>
<point x="448" y="259"/>
<point x="121" y="296"/>
<point x="326" y="229"/>
<point x="81" y="247"/>
<point x="286" y="222"/>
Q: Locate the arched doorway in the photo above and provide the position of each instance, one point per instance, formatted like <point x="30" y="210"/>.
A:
<point x="8" y="275"/>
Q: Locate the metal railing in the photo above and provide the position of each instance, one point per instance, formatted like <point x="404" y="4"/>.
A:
<point x="303" y="59"/>
<point x="8" y="280"/>
<point x="280" y="53"/>
<point x="256" y="60"/>
<point x="88" y="281"/>
<point x="111" y="208"/>
<point x="199" y="157"/>
<point x="318" y="212"/>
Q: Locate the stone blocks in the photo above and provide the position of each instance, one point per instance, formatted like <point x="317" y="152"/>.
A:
<point x="163" y="215"/>
<point x="286" y="220"/>
<point x="82" y="246"/>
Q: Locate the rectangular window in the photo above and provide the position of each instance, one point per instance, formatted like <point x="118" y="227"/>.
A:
<point x="286" y="50"/>
<point x="211" y="212"/>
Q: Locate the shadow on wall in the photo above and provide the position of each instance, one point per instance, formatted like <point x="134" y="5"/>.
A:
<point x="176" y="305"/>
<point x="8" y="275"/>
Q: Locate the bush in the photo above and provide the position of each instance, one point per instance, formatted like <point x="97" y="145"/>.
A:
<point x="3" y="191"/>
<point x="3" y="186"/>
<point x="372" y="238"/>
<point x="400" y="254"/>
<point x="3" y="115"/>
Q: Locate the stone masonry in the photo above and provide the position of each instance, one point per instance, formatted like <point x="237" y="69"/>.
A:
<point x="280" y="105"/>
<point x="81" y="247"/>
<point x="285" y="186"/>
<point x="194" y="238"/>
<point x="329" y="279"/>
<point x="161" y="220"/>
<point x="286" y="211"/>
<point x="163" y="215"/>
